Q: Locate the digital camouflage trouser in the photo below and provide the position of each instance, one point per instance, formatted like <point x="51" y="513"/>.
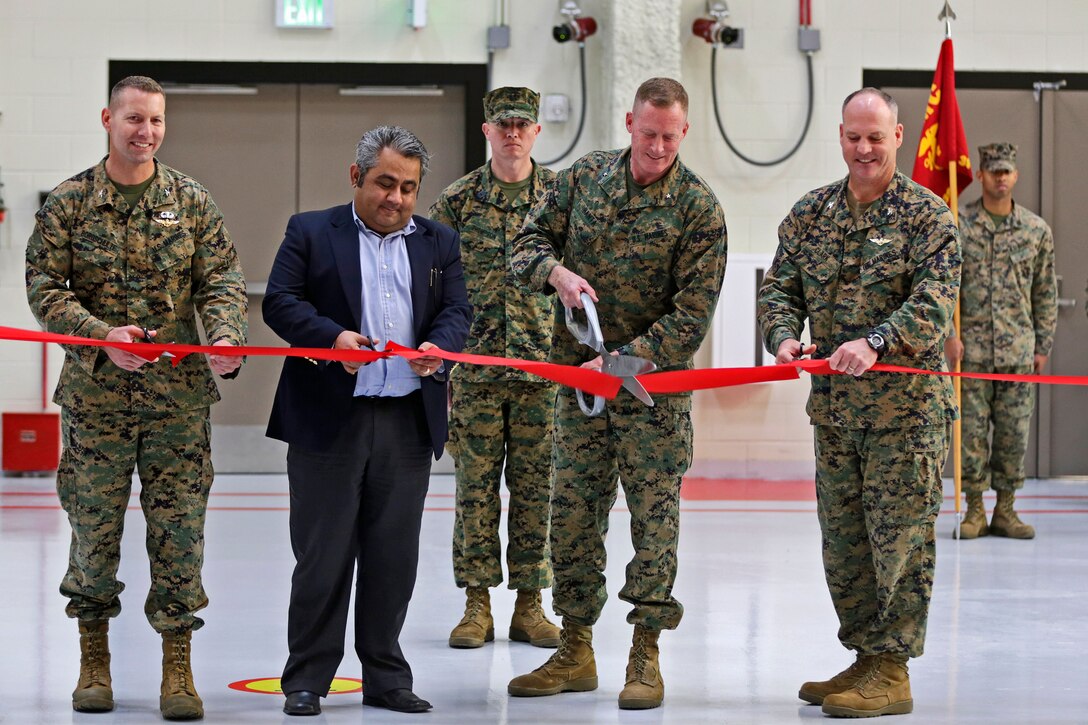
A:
<point x="492" y="424"/>
<point x="94" y="481"/>
<point x="648" y="450"/>
<point x="878" y="492"/>
<point x="1005" y="408"/>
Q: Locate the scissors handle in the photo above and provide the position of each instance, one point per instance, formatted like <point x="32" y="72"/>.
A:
<point x="588" y="333"/>
<point x="596" y="409"/>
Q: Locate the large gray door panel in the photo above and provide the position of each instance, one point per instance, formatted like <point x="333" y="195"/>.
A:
<point x="330" y="125"/>
<point x="244" y="149"/>
<point x="1064" y="191"/>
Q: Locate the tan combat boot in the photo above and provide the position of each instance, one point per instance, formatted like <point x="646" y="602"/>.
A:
<point x="477" y="626"/>
<point x="884" y="690"/>
<point x="571" y="669"/>
<point x="644" y="687"/>
<point x="1005" y="522"/>
<point x="94" y="691"/>
<point x="529" y="623"/>
<point x="178" y="699"/>
<point x="974" y="523"/>
<point x="815" y="692"/>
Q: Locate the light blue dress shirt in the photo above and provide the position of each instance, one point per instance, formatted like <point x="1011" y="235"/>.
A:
<point x="387" y="309"/>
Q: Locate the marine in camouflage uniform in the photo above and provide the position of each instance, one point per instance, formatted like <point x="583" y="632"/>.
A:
<point x="647" y="236"/>
<point x="872" y="262"/>
<point x="501" y="418"/>
<point x="1008" y="314"/>
<point x="96" y="264"/>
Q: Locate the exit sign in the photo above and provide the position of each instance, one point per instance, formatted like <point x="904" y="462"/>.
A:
<point x="304" y="13"/>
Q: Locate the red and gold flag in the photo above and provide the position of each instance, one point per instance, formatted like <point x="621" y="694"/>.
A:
<point x="943" y="140"/>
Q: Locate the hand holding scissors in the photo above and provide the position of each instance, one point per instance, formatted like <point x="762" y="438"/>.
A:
<point x="622" y="366"/>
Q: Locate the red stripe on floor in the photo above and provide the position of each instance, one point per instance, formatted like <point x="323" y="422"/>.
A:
<point x="618" y="509"/>
<point x="746" y="489"/>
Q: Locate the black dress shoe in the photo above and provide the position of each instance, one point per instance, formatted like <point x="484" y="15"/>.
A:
<point x="400" y="700"/>
<point x="302" y="702"/>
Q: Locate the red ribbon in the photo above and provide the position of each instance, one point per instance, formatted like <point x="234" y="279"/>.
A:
<point x="589" y="381"/>
<point x="821" y="367"/>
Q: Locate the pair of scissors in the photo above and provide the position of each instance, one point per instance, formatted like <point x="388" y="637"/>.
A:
<point x="148" y="338"/>
<point x="622" y="366"/>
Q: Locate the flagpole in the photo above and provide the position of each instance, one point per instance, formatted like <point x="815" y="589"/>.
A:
<point x="957" y="424"/>
<point x="947" y="15"/>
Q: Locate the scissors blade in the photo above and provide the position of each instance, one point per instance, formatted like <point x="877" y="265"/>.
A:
<point x="634" y="387"/>
<point x="624" y="366"/>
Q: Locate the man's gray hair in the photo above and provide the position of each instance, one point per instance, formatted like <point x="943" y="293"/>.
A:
<point x="870" y="91"/>
<point x="401" y="140"/>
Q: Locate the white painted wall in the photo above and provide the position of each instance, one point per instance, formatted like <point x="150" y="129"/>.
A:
<point x="53" y="68"/>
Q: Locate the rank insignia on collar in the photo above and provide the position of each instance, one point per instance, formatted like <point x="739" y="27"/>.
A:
<point x="165" y="218"/>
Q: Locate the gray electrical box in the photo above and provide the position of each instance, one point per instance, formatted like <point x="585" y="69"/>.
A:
<point x="555" y="108"/>
<point x="808" y="40"/>
<point x="498" y="37"/>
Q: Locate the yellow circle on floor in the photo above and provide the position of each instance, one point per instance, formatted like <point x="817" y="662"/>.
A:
<point x="271" y="686"/>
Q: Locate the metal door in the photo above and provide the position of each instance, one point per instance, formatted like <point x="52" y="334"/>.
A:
<point x="1064" y="452"/>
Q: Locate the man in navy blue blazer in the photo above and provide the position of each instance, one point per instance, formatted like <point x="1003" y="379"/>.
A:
<point x="360" y="437"/>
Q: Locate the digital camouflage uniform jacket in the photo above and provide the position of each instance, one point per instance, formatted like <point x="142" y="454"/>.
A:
<point x="91" y="266"/>
<point x="1009" y="292"/>
<point x="656" y="261"/>
<point x="508" y="319"/>
<point x="897" y="271"/>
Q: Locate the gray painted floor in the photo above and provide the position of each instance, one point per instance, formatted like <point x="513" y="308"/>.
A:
<point x="1007" y="638"/>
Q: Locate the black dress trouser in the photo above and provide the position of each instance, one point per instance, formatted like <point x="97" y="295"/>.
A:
<point x="357" y="505"/>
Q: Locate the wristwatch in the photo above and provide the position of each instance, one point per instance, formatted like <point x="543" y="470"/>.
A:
<point x="876" y="342"/>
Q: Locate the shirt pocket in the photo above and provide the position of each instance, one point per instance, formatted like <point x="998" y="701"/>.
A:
<point x="883" y="258"/>
<point x="95" y="250"/>
<point x="97" y="266"/>
<point x="172" y="274"/>
<point x="651" y="246"/>
<point x="886" y="267"/>
<point x="585" y="229"/>
<point x="819" y="270"/>
<point x="1022" y="263"/>
<point x="640" y="259"/>
<point x="168" y="255"/>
